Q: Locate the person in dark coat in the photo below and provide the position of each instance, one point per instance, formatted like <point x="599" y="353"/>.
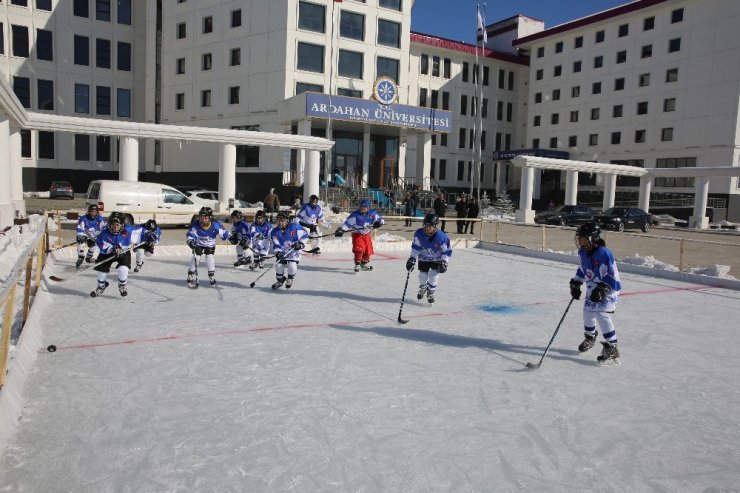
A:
<point x="440" y="207"/>
<point x="409" y="208"/>
<point x="461" y="208"/>
<point x="473" y="210"/>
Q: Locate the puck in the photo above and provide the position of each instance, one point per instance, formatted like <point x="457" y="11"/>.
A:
<point x="51" y="348"/>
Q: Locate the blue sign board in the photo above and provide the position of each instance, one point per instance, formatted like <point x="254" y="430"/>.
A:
<point x="367" y="111"/>
<point x="507" y="155"/>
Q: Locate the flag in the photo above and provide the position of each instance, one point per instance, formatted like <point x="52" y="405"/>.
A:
<point x="481" y="26"/>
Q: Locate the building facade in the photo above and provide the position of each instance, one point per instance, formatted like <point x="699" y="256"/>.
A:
<point x="651" y="83"/>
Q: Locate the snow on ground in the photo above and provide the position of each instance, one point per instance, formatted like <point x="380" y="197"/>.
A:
<point x="319" y="388"/>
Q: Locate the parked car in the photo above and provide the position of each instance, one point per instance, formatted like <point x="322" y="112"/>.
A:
<point x="203" y="197"/>
<point x="621" y="218"/>
<point x="188" y="188"/>
<point x="61" y="189"/>
<point x="566" y="215"/>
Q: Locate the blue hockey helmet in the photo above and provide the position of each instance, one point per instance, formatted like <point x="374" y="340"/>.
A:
<point x="365" y="203"/>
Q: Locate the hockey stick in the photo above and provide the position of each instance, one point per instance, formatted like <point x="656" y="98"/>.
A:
<point x="251" y="285"/>
<point x="49" y="250"/>
<point x="532" y="366"/>
<point x="403" y="298"/>
<point x="111" y="259"/>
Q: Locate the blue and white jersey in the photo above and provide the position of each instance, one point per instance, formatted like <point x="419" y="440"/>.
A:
<point x="595" y="267"/>
<point x="434" y="249"/>
<point x="283" y="241"/>
<point x="90" y="227"/>
<point x="241" y="230"/>
<point x="261" y="239"/>
<point x="129" y="236"/>
<point x="360" y="223"/>
<point x="150" y="236"/>
<point x="311" y="215"/>
<point x="206" y="237"/>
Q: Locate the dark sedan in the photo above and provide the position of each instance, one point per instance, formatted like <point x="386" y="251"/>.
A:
<point x="621" y="218"/>
<point x="60" y="189"/>
<point x="566" y="215"/>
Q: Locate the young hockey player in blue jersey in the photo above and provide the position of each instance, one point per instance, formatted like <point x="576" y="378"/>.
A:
<point x="432" y="247"/>
<point x="596" y="267"/>
<point x="115" y="242"/>
<point x="361" y="222"/>
<point x="288" y="241"/>
<point x="150" y="236"/>
<point x="89" y="227"/>
<point x="259" y="232"/>
<point x="201" y="238"/>
<point x="240" y="237"/>
<point x="311" y="217"/>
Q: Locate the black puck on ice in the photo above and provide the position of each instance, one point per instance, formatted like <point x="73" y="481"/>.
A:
<point x="51" y="348"/>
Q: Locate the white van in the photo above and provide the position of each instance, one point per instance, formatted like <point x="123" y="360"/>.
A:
<point x="141" y="201"/>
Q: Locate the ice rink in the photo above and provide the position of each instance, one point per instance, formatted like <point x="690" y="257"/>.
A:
<point x="318" y="388"/>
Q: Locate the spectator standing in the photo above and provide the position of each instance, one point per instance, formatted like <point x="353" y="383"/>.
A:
<point x="409" y="208"/>
<point x="272" y="202"/>
<point x="461" y="208"/>
<point x="473" y="210"/>
<point x="440" y="208"/>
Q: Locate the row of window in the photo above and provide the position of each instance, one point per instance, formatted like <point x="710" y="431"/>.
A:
<point x="312" y="17"/>
<point x="447" y="71"/>
<point x="666" y="135"/>
<point x="45" y="97"/>
<point x="674" y="45"/>
<point x="350" y="64"/>
<point x="619" y="85"/>
<point x="669" y="105"/>
<point x="46" y="146"/>
<point x="622" y="31"/>
<point x="81" y="56"/>
<point x="103" y="12"/>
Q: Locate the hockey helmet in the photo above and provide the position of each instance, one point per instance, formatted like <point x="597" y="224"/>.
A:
<point x="365" y="203"/>
<point x="151" y="225"/>
<point x="92" y="208"/>
<point x="590" y="231"/>
<point x="313" y="198"/>
<point x="205" y="212"/>
<point x="431" y="219"/>
<point x="236" y="216"/>
<point x="115" y="222"/>
<point x="260" y="215"/>
<point x="283" y="216"/>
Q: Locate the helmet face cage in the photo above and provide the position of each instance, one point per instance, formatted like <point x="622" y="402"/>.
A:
<point x="431" y="220"/>
<point x="236" y="216"/>
<point x="282" y="216"/>
<point x="151" y="225"/>
<point x="260" y="216"/>
<point x="115" y="219"/>
<point x="590" y="231"/>
<point x="92" y="208"/>
<point x="206" y="211"/>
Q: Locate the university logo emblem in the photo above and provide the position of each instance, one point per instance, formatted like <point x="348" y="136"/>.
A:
<point x="385" y="90"/>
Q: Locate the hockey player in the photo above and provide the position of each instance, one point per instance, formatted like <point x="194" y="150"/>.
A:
<point x="599" y="271"/>
<point x="89" y="227"/>
<point x="114" y="243"/>
<point x="240" y="237"/>
<point x="201" y="238"/>
<point x="432" y="247"/>
<point x="259" y="233"/>
<point x="288" y="241"/>
<point x="361" y="222"/>
<point x="150" y="236"/>
<point x="311" y="217"/>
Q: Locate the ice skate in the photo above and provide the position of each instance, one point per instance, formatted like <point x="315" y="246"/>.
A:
<point x="79" y="262"/>
<point x="357" y="267"/>
<point x="277" y="284"/>
<point x="192" y="280"/>
<point x="212" y="278"/>
<point x="242" y="261"/>
<point x="138" y="266"/>
<point x="609" y="355"/>
<point x="430" y="297"/>
<point x="366" y="266"/>
<point x="122" y="289"/>
<point x="588" y="343"/>
<point x="288" y="283"/>
<point x="422" y="292"/>
<point x="88" y="258"/>
<point x="99" y="290"/>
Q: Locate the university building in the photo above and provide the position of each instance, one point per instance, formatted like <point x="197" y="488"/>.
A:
<point x="651" y="83"/>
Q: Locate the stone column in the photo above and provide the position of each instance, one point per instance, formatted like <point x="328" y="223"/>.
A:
<point x="226" y="175"/>
<point x="423" y="161"/>
<point x="500" y="177"/>
<point x="313" y="169"/>
<point x="643" y="199"/>
<point x="701" y="193"/>
<point x="571" y="188"/>
<point x="16" y="172"/>
<point x="304" y="128"/>
<point x="610" y="190"/>
<point x="525" y="214"/>
<point x="7" y="213"/>
<point x="129" y="165"/>
<point x="364" y="179"/>
<point x="402" y="159"/>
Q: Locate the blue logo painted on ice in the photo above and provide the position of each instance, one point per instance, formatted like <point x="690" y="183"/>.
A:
<point x="385" y="90"/>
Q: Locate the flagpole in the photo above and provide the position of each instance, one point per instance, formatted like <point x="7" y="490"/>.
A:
<point x="484" y="38"/>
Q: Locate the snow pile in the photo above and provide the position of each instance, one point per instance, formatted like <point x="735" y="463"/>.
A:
<point x="648" y="261"/>
<point x="15" y="242"/>
<point x="715" y="270"/>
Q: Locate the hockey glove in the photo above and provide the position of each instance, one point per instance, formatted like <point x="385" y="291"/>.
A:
<point x="191" y="244"/>
<point x="233" y="239"/>
<point x="258" y="237"/>
<point x="81" y="239"/>
<point x="377" y="224"/>
<point x="244" y="243"/>
<point x="298" y="245"/>
<point x="118" y="251"/>
<point x="410" y="264"/>
<point x="442" y="267"/>
<point x="598" y="294"/>
<point x="575" y="289"/>
<point x="338" y="233"/>
<point x="279" y="256"/>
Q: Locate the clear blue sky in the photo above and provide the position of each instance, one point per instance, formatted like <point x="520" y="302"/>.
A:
<point x="455" y="19"/>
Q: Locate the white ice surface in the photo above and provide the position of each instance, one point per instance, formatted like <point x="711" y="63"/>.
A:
<point x="320" y="389"/>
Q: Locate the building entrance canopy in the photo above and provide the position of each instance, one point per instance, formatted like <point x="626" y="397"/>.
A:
<point x="508" y="155"/>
